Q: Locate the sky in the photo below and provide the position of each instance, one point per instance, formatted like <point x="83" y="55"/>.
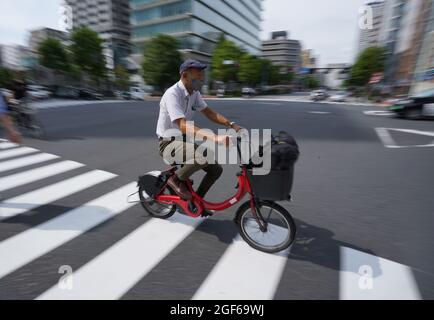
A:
<point x="329" y="27"/>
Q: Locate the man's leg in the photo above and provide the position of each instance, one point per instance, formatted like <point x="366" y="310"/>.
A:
<point x="213" y="173"/>
<point x="181" y="152"/>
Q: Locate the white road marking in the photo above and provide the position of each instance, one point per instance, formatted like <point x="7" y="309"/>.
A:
<point x="319" y="112"/>
<point x="26" y="161"/>
<point x="243" y="273"/>
<point x="270" y="103"/>
<point x="16" y="152"/>
<point x="366" y="277"/>
<point x="29" y="245"/>
<point x="111" y="274"/>
<point x="389" y="142"/>
<point x="37" y="198"/>
<point x="29" y="176"/>
<point x="6" y="144"/>
<point x="379" y="113"/>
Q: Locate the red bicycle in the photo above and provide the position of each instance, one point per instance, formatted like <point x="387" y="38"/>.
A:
<point x="263" y="224"/>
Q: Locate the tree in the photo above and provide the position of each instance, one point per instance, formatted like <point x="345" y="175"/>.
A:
<point x="310" y="82"/>
<point x="270" y="74"/>
<point x="6" y="78"/>
<point x="161" y="61"/>
<point x="122" y="78"/>
<point x="224" y="61"/>
<point x="87" y="52"/>
<point x="370" y="61"/>
<point x="53" y="55"/>
<point x="250" y="71"/>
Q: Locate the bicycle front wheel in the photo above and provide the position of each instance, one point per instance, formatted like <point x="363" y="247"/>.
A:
<point x="281" y="229"/>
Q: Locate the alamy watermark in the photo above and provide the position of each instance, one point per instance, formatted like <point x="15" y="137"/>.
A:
<point x="366" y="280"/>
<point x="255" y="148"/>
<point x="66" y="282"/>
<point x="66" y="17"/>
<point x="366" y="18"/>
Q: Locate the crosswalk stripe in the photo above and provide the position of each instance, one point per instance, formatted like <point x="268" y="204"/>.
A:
<point x="29" y="176"/>
<point x="26" y="161"/>
<point x="243" y="273"/>
<point x="111" y="274"/>
<point x="367" y="277"/>
<point x="16" y="152"/>
<point x="37" y="198"/>
<point x="29" y="245"/>
<point x="7" y="145"/>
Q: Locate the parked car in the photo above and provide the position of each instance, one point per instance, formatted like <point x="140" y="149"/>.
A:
<point x="37" y="92"/>
<point x="88" y="94"/>
<point x="340" y="96"/>
<point x="137" y="93"/>
<point x="66" y="92"/>
<point x="416" y="107"/>
<point x="248" y="92"/>
<point x="318" y="95"/>
<point x="221" y="92"/>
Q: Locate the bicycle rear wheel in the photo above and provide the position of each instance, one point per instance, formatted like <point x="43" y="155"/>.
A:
<point x="280" y="233"/>
<point x="153" y="207"/>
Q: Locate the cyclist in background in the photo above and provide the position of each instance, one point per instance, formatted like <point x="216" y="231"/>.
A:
<point x="7" y="123"/>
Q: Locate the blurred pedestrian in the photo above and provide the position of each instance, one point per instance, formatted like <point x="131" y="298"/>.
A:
<point x="12" y="134"/>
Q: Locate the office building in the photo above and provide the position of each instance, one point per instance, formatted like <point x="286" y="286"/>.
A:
<point x="370" y="37"/>
<point x="197" y="24"/>
<point x="110" y="19"/>
<point x="283" y="52"/>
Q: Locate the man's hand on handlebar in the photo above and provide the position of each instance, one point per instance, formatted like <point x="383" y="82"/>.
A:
<point x="236" y="127"/>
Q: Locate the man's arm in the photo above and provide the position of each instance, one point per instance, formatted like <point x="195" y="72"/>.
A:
<point x="219" y="119"/>
<point x="182" y="124"/>
<point x="12" y="134"/>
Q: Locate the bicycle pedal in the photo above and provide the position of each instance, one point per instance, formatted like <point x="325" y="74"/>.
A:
<point x="207" y="213"/>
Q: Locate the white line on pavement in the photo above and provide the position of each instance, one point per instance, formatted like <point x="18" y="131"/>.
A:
<point x="6" y="144"/>
<point x="29" y="176"/>
<point x="37" y="198"/>
<point x="16" y="152"/>
<point x="319" y="112"/>
<point x="111" y="274"/>
<point x="26" y="161"/>
<point x="366" y="277"/>
<point x="388" y="141"/>
<point x="379" y="113"/>
<point x="29" y="245"/>
<point x="243" y="273"/>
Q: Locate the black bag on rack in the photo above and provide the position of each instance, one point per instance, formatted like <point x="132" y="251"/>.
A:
<point x="277" y="185"/>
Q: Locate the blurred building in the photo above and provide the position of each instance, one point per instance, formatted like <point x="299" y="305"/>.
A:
<point x="333" y="75"/>
<point x="110" y="18"/>
<point x="371" y="37"/>
<point x="283" y="52"/>
<point x="197" y="24"/>
<point x="39" y="35"/>
<point x="16" y="57"/>
<point x="394" y="12"/>
<point x="423" y="76"/>
<point x="308" y="59"/>
<point x="410" y="37"/>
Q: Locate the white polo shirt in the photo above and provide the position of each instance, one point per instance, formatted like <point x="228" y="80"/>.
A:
<point x="175" y="104"/>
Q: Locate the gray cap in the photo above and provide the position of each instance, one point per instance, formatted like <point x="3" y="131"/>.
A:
<point x="190" y="63"/>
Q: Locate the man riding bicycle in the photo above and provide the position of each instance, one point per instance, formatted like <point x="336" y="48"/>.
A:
<point x="177" y="106"/>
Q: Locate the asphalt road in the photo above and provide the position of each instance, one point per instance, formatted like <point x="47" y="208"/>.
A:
<point x="360" y="201"/>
